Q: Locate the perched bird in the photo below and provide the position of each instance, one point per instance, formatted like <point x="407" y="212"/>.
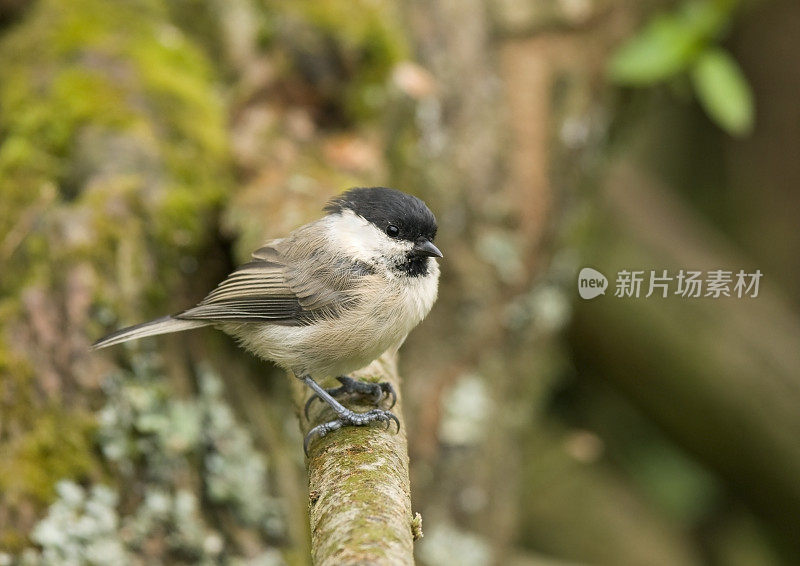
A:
<point x="328" y="298"/>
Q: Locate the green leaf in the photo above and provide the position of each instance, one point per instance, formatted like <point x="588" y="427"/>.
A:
<point x="707" y="18"/>
<point x="665" y="47"/>
<point x="670" y="43"/>
<point x="723" y="91"/>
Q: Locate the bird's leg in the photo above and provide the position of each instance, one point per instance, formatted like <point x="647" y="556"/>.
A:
<point x="346" y="416"/>
<point x="375" y="392"/>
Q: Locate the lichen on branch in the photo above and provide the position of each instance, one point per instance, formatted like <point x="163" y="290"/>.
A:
<point x="359" y="493"/>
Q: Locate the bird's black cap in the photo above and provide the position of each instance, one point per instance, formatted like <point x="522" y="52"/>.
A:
<point x="383" y="207"/>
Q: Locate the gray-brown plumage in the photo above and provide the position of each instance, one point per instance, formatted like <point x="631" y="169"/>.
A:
<point x="330" y="297"/>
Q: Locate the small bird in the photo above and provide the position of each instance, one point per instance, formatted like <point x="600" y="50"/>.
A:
<point x="328" y="298"/>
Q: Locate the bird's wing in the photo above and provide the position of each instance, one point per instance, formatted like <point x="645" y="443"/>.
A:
<point x="274" y="290"/>
<point x="269" y="251"/>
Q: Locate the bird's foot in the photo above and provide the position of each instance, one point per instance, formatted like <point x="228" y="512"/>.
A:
<point x="373" y="392"/>
<point x="350" y="418"/>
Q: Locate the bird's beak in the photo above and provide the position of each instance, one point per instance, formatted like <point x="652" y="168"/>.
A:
<point x="424" y="247"/>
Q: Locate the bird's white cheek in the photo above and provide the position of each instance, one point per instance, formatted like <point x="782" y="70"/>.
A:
<point x="359" y="239"/>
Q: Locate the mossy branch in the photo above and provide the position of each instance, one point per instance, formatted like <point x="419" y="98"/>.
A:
<point x="359" y="494"/>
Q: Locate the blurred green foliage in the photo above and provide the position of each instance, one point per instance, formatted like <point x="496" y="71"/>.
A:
<point x="686" y="41"/>
<point x="723" y="91"/>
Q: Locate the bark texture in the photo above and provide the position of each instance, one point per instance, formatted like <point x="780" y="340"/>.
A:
<point x="359" y="493"/>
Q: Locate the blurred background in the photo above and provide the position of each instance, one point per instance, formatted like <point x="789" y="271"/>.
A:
<point x="146" y="147"/>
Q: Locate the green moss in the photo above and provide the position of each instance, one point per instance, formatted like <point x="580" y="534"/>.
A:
<point x="113" y="153"/>
<point x="16" y="389"/>
<point x="60" y="445"/>
<point x="361" y="24"/>
<point x="366" y="39"/>
<point x="362" y="480"/>
<point x="126" y="73"/>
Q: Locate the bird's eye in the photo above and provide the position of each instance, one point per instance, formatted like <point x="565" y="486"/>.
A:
<point x="392" y="230"/>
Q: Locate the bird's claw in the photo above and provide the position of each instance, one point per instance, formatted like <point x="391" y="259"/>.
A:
<point x="375" y="392"/>
<point x="351" y="418"/>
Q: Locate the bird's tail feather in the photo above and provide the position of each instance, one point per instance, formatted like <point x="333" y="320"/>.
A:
<point x="163" y="325"/>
